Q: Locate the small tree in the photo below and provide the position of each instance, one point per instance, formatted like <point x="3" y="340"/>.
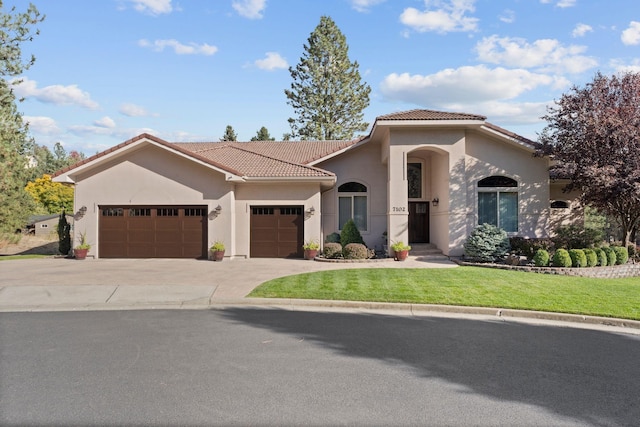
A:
<point x="350" y="234"/>
<point x="487" y="243"/>
<point x="64" y="234"/>
<point x="229" y="134"/>
<point x="263" y="135"/>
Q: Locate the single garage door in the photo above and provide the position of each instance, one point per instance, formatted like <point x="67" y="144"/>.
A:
<point x="277" y="231"/>
<point x="152" y="232"/>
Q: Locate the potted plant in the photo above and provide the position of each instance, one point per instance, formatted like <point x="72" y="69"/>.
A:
<point x="400" y="250"/>
<point x="217" y="251"/>
<point x="80" y="251"/>
<point x="311" y="249"/>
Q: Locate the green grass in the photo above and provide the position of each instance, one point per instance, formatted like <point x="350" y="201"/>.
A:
<point x="30" y="256"/>
<point x="466" y="286"/>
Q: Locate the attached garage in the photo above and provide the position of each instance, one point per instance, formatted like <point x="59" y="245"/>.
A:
<point x="277" y="232"/>
<point x="152" y="232"/>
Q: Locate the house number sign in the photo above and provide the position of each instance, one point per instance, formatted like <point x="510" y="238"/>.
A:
<point x="398" y="209"/>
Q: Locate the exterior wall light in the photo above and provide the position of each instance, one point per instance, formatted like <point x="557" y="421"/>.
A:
<point x="435" y="202"/>
<point x="311" y="210"/>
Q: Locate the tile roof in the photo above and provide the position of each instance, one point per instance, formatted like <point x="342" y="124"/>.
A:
<point x="430" y="115"/>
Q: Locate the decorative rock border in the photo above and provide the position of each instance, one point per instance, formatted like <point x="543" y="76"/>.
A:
<point x="347" y="261"/>
<point x="609" y="272"/>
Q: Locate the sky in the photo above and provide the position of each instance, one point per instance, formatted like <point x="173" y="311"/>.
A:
<point x="182" y="70"/>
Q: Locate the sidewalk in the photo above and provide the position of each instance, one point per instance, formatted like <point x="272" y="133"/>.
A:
<point x="56" y="284"/>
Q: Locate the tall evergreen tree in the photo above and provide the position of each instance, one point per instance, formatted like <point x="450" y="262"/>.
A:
<point x="229" y="134"/>
<point x="263" y="135"/>
<point x="327" y="94"/>
<point x="15" y="202"/>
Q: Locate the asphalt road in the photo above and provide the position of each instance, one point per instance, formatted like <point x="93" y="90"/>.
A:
<point x="248" y="366"/>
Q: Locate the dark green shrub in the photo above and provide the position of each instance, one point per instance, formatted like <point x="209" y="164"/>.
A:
<point x="575" y="237"/>
<point x="592" y="258"/>
<point x="64" y="234"/>
<point x="611" y="255"/>
<point x="333" y="238"/>
<point x="528" y="247"/>
<point x="350" y="234"/>
<point x="602" y="257"/>
<point x="332" y="250"/>
<point x="561" y="258"/>
<point x="355" y="251"/>
<point x="633" y="252"/>
<point x="541" y="258"/>
<point x="578" y="258"/>
<point x="487" y="243"/>
<point x="622" y="255"/>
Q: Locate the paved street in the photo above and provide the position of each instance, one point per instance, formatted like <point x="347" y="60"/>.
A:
<point x="262" y="366"/>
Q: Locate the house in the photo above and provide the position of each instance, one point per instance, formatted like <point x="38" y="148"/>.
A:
<point x="44" y="225"/>
<point x="419" y="176"/>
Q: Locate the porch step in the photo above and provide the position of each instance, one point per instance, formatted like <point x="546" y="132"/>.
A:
<point x="426" y="251"/>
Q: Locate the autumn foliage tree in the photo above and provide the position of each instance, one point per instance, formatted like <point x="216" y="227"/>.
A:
<point x="593" y="137"/>
<point x="54" y="197"/>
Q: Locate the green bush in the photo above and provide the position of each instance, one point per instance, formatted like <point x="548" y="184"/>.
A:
<point x="333" y="238"/>
<point x="529" y="247"/>
<point x="632" y="250"/>
<point x="355" y="251"/>
<point x="332" y="250"/>
<point x="592" y="258"/>
<point x="602" y="257"/>
<point x="64" y="234"/>
<point x="561" y="258"/>
<point x="578" y="258"/>
<point x="622" y="254"/>
<point x="611" y="255"/>
<point x="574" y="237"/>
<point x="487" y="243"/>
<point x="350" y="234"/>
<point x="541" y="258"/>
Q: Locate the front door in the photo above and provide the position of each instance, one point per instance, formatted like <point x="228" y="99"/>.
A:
<point x="419" y="222"/>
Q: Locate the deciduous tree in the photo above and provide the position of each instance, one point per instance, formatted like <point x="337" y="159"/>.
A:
<point x="593" y="134"/>
<point x="327" y="94"/>
<point x="53" y="196"/>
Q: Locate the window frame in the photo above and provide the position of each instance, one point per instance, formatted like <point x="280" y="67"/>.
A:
<point x="351" y="195"/>
<point x="421" y="162"/>
<point x="498" y="191"/>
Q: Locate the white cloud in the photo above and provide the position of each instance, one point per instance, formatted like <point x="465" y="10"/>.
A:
<point x="42" y="125"/>
<point x="447" y="16"/>
<point x="622" y="67"/>
<point x="55" y="94"/>
<point x="580" y="30"/>
<point x="251" y="9"/>
<point x="364" y="5"/>
<point x="133" y="110"/>
<point x="561" y="3"/>
<point x="272" y="61"/>
<point x="179" y="48"/>
<point x="105" y="122"/>
<point x="543" y="54"/>
<point x="631" y="36"/>
<point x="508" y="16"/>
<point x="152" y="7"/>
<point x="115" y="132"/>
<point x="467" y="85"/>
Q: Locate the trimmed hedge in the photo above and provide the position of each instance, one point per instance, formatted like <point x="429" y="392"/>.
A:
<point x="611" y="255"/>
<point x="332" y="250"/>
<point x="602" y="257"/>
<point x="622" y="254"/>
<point x="541" y="258"/>
<point x="592" y="258"/>
<point x="578" y="258"/>
<point x="561" y="259"/>
<point x="355" y="251"/>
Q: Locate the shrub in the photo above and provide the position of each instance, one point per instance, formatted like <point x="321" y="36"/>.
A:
<point x="355" y="251"/>
<point x="611" y="255"/>
<point x="350" y="234"/>
<point x="541" y="258"/>
<point x="64" y="234"/>
<point x="333" y="238"/>
<point x="633" y="252"/>
<point x="561" y="258"/>
<point x="578" y="258"/>
<point x="529" y="247"/>
<point x="592" y="258"/>
<point x="486" y="243"/>
<point x="622" y="254"/>
<point x="602" y="257"/>
<point x="332" y="250"/>
<point x="574" y="236"/>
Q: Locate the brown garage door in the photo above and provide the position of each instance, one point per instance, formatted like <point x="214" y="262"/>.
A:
<point x="276" y="231"/>
<point x="152" y="232"/>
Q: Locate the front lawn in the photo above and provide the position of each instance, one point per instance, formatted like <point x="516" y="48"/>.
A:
<point x="466" y="286"/>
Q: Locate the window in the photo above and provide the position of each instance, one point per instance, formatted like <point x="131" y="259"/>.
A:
<point x="498" y="203"/>
<point x="414" y="180"/>
<point x="352" y="204"/>
<point x="560" y="204"/>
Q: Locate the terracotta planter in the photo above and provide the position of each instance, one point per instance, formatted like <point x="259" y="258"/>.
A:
<point x="217" y="255"/>
<point x="80" y="253"/>
<point x="310" y="253"/>
<point x="401" y="255"/>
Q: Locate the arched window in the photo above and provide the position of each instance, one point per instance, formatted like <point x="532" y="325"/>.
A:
<point x="352" y="204"/>
<point x="498" y="202"/>
<point x="560" y="204"/>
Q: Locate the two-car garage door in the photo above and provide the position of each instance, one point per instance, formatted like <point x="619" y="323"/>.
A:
<point x="153" y="232"/>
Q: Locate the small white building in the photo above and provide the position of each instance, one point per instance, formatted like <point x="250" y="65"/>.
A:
<point x="419" y="176"/>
